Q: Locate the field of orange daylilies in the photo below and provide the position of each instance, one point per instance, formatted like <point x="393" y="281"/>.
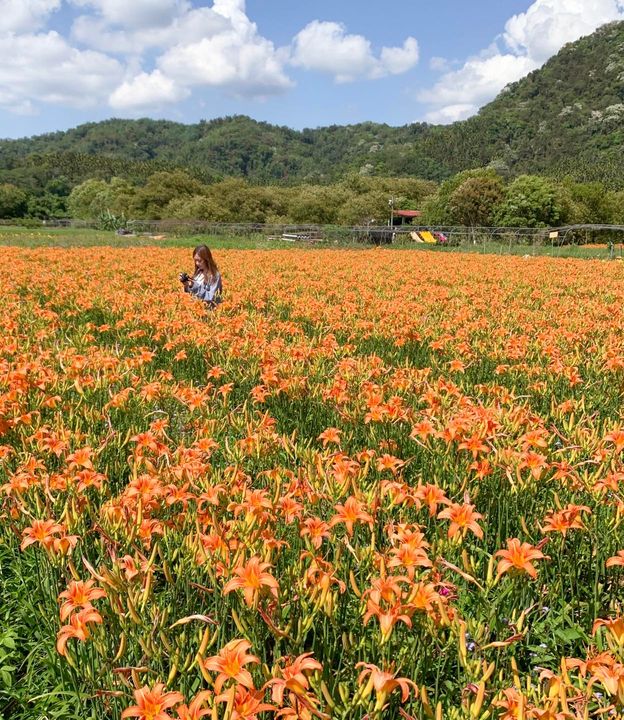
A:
<point x="372" y="484"/>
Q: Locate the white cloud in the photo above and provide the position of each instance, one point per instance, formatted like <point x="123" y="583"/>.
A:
<point x="251" y="68"/>
<point x="397" y="60"/>
<point x="529" y="38"/>
<point x="25" y="15"/>
<point x="547" y="25"/>
<point x="188" y="27"/>
<point x="439" y="64"/>
<point x="326" y="47"/>
<point x="45" y="68"/>
<point x="234" y="56"/>
<point x="137" y="14"/>
<point x="451" y="113"/>
<point x="479" y="80"/>
<point x="215" y="46"/>
<point x="147" y="91"/>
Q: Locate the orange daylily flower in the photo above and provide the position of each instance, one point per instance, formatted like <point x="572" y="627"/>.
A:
<point x="78" y="628"/>
<point x="317" y="529"/>
<point x="475" y="445"/>
<point x="389" y="462"/>
<point x="293" y="677"/>
<point x="81" y="458"/>
<point x="463" y="518"/>
<point x="230" y="664"/>
<point x="518" y="556"/>
<point x="616" y="437"/>
<point x="383" y="683"/>
<point x="566" y="519"/>
<point x="42" y="532"/>
<point x="196" y="708"/>
<point x="152" y="703"/>
<point x="432" y="496"/>
<point x="616" y="560"/>
<point x="79" y="594"/>
<point x="246" y="703"/>
<point x="330" y="435"/>
<point x="615" y="628"/>
<point x="251" y="579"/>
<point x="350" y="513"/>
<point x="387" y="617"/>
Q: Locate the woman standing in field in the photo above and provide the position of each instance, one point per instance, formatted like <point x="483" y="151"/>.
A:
<point x="206" y="281"/>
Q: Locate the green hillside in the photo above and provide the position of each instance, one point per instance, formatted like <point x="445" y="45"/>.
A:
<point x="565" y="119"/>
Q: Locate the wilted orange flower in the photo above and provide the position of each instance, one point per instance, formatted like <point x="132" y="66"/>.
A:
<point x="518" y="556"/>
<point x="152" y="703"/>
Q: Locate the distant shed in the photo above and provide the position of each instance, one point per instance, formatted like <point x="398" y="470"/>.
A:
<point x="405" y="217"/>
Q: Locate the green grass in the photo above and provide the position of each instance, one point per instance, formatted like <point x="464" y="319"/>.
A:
<point x="84" y="237"/>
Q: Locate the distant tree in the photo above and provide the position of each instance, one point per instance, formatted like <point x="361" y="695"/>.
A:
<point x="198" y="207"/>
<point x="617" y="201"/>
<point x="475" y="201"/>
<point x="85" y="200"/>
<point x="160" y="189"/>
<point x="316" y="204"/>
<point x="437" y="208"/>
<point x="47" y="206"/>
<point x="370" y="207"/>
<point x="588" y="202"/>
<point x="530" y="201"/>
<point x="13" y="201"/>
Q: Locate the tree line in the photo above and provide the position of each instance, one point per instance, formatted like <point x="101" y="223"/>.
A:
<point x="482" y="197"/>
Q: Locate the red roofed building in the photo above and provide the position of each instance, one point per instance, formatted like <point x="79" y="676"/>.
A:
<point x="405" y="217"/>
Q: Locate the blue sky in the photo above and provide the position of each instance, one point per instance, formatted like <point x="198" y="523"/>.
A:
<point x="294" y="63"/>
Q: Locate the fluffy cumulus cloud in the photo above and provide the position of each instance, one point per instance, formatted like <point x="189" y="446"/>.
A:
<point x="134" y="55"/>
<point x="528" y="40"/>
<point x="188" y="26"/>
<point x="25" y="15"/>
<point x="327" y="47"/>
<point x="147" y="90"/>
<point x="136" y="14"/>
<point x="44" y="68"/>
<point x="137" y="56"/>
<point x="234" y="56"/>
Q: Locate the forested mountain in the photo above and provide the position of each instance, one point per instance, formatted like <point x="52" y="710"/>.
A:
<point x="565" y="119"/>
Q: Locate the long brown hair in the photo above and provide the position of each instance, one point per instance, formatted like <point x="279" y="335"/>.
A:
<point x="204" y="253"/>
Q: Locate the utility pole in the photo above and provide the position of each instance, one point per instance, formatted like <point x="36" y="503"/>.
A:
<point x="391" y="203"/>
